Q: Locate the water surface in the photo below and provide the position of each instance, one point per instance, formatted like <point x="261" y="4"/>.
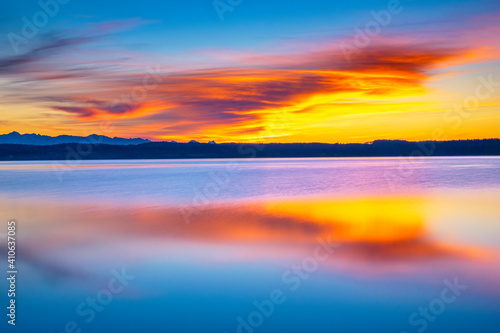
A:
<point x="266" y="245"/>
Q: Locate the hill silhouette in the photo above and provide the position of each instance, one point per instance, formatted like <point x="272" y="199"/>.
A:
<point x="43" y="140"/>
<point x="174" y="150"/>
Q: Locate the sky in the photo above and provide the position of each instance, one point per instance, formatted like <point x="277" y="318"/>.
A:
<point x="251" y="71"/>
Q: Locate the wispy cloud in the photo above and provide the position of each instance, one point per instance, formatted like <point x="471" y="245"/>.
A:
<point x="88" y="85"/>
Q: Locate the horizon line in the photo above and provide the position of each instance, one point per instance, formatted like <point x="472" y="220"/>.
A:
<point x="235" y="142"/>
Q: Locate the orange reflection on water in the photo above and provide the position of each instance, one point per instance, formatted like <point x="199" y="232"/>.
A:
<point x="368" y="229"/>
<point x="377" y="236"/>
<point x="383" y="219"/>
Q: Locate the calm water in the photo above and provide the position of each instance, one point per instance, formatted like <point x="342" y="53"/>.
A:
<point x="272" y="245"/>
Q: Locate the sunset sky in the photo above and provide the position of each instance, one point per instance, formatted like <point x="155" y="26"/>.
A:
<point x="252" y="71"/>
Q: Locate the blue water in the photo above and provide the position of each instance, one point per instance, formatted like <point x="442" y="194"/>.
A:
<point x="239" y="245"/>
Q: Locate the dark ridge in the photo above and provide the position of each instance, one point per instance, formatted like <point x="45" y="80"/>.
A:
<point x="172" y="150"/>
<point x="43" y="140"/>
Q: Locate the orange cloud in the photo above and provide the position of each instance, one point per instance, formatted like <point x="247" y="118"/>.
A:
<point x="317" y="89"/>
<point x="243" y="100"/>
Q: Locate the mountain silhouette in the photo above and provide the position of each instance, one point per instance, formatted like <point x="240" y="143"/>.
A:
<point x="45" y="140"/>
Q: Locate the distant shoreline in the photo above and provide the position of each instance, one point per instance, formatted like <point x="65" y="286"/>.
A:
<point x="171" y="150"/>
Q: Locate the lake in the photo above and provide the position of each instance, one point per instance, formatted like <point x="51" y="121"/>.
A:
<point x="255" y="245"/>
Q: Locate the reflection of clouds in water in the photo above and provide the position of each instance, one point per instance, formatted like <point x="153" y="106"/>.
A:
<point x="53" y="271"/>
<point x="387" y="231"/>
